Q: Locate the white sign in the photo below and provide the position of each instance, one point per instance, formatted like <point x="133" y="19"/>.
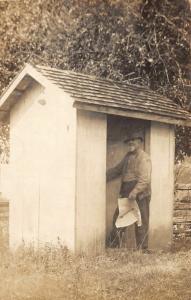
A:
<point x="129" y="213"/>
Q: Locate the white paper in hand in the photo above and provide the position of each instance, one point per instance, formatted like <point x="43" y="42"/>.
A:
<point x="129" y="213"/>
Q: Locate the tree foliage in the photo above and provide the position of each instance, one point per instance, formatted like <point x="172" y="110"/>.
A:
<point x="145" y="42"/>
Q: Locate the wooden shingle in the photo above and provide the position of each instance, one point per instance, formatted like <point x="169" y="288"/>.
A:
<point x="121" y="96"/>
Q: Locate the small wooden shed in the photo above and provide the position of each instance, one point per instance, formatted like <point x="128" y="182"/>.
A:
<point x="66" y="129"/>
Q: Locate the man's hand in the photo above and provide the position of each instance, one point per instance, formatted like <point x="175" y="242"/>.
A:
<point x="132" y="196"/>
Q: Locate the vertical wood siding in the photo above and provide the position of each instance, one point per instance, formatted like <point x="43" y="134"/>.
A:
<point x="42" y="163"/>
<point x="4" y="224"/>
<point x="91" y="181"/>
<point x="161" y="208"/>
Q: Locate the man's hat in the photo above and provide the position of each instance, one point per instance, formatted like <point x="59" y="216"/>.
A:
<point x="133" y="136"/>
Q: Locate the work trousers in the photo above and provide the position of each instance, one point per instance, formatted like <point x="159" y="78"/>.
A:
<point x="141" y="232"/>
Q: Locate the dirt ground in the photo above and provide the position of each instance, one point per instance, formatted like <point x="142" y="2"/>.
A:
<point x="55" y="274"/>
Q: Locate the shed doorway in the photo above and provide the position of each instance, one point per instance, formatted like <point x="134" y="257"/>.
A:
<point x="117" y="128"/>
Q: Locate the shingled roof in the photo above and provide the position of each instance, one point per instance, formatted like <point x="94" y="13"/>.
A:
<point x="101" y="92"/>
<point x="114" y="97"/>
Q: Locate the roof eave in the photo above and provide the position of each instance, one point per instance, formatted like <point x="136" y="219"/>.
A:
<point x="29" y="73"/>
<point x="132" y="114"/>
<point x="18" y="85"/>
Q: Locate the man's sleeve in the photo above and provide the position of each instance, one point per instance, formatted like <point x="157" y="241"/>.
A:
<point x="115" y="171"/>
<point x="144" y="176"/>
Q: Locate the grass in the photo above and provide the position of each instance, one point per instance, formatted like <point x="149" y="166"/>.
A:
<point x="54" y="273"/>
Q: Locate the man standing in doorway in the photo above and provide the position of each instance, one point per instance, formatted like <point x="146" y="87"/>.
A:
<point x="135" y="170"/>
